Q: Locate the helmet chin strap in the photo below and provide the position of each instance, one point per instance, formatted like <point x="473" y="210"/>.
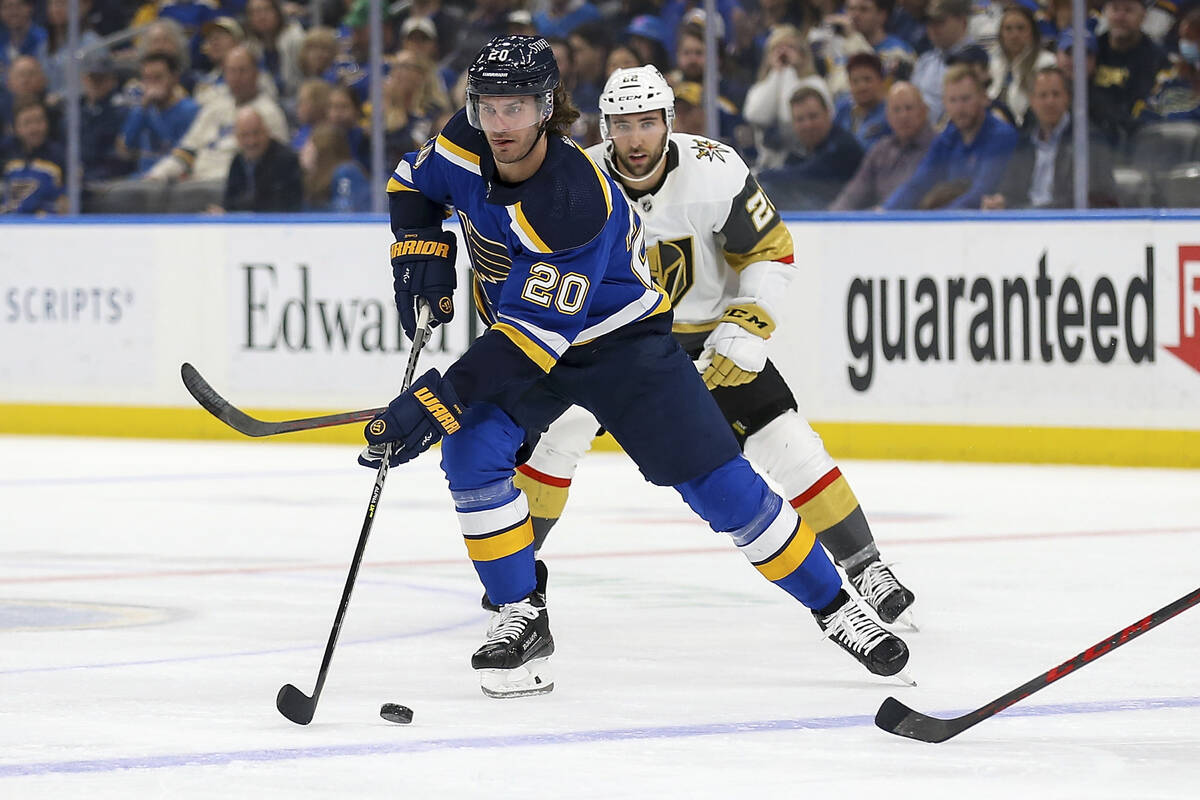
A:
<point x="612" y="163"/>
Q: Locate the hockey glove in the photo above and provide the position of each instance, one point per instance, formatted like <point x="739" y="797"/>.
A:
<point x="736" y="350"/>
<point x="413" y="422"/>
<point x="423" y="265"/>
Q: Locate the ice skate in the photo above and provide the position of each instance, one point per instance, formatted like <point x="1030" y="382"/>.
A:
<point x="513" y="661"/>
<point x="878" y="586"/>
<point x="849" y="627"/>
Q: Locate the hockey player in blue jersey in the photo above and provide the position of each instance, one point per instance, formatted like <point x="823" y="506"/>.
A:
<point x="561" y="279"/>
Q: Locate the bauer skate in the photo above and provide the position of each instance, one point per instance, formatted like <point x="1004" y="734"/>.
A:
<point x="513" y="660"/>
<point x="849" y="627"/>
<point x="879" y="588"/>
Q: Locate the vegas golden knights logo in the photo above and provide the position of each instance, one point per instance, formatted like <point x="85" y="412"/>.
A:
<point x="673" y="267"/>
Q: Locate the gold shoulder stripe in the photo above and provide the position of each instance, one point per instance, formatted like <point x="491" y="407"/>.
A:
<point x="451" y="147"/>
<point x="775" y="245"/>
<point x="396" y="186"/>
<point x="528" y="346"/>
<point x="54" y="170"/>
<point x="599" y="176"/>
<point x="534" y="239"/>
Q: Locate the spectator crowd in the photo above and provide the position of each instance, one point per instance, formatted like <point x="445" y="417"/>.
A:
<point x="253" y="105"/>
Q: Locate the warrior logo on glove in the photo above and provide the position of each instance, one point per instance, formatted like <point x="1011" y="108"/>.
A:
<point x="378" y="426"/>
<point x="423" y="268"/>
<point x="418" y="247"/>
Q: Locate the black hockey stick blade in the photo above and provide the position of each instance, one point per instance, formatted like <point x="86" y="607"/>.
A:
<point x="895" y="717"/>
<point x="295" y="705"/>
<point x="243" y="423"/>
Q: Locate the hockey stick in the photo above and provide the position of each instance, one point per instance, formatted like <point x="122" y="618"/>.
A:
<point x="895" y="717"/>
<point x="291" y="702"/>
<point x="243" y="423"/>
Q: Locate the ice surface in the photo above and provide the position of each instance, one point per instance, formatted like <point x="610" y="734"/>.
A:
<point x="154" y="597"/>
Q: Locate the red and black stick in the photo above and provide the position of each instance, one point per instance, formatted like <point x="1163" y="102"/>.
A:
<point x="895" y="717"/>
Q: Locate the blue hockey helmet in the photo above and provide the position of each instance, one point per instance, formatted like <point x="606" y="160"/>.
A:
<point x="510" y="66"/>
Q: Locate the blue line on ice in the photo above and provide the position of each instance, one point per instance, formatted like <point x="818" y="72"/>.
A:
<point x="193" y="476"/>
<point x="178" y="760"/>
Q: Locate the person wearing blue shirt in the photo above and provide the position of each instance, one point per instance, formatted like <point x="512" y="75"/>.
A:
<point x="31" y="171"/>
<point x="153" y="129"/>
<point x="864" y="112"/>
<point x="947" y="24"/>
<point x="19" y="34"/>
<point x="102" y="116"/>
<point x="811" y="180"/>
<point x="573" y="317"/>
<point x="968" y="159"/>
<point x="333" y="180"/>
<point x="869" y="18"/>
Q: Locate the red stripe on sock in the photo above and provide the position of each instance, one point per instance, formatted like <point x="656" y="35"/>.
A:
<point x="541" y="477"/>
<point x="816" y="488"/>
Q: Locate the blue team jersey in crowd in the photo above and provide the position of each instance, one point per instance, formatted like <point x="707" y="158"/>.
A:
<point x="559" y="259"/>
<point x="155" y="132"/>
<point x="191" y="14"/>
<point x="32" y="182"/>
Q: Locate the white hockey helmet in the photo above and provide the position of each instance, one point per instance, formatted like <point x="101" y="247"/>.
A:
<point x="635" y="89"/>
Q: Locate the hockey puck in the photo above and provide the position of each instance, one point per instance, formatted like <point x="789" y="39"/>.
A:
<point x="394" y="712"/>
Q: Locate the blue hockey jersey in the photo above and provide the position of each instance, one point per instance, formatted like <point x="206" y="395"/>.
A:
<point x="558" y="259"/>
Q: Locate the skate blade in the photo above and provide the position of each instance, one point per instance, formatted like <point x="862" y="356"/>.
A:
<point x="906" y="620"/>
<point x="524" y="681"/>
<point x="903" y="677"/>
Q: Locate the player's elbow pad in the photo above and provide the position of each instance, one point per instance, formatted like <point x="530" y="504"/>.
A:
<point x="765" y="281"/>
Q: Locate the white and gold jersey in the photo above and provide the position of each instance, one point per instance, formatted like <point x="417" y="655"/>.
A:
<point x="705" y="224"/>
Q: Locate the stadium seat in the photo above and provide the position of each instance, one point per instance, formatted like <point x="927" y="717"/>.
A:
<point x="124" y="197"/>
<point x="1134" y="189"/>
<point x="1180" y="187"/>
<point x="194" y="197"/>
<point x="1163" y="146"/>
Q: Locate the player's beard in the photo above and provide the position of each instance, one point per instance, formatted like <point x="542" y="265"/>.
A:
<point x="646" y="166"/>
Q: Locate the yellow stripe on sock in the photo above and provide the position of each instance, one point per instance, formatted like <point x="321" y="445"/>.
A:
<point x="791" y="556"/>
<point x="501" y="544"/>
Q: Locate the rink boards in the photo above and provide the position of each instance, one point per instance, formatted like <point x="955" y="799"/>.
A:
<point x="1043" y="338"/>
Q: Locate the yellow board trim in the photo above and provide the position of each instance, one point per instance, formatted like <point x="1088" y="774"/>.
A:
<point x="529" y="347"/>
<point x="792" y="556"/>
<point x="523" y="221"/>
<point x="465" y="155"/>
<point x="501" y="545"/>
<point x="975" y="443"/>
<point x="831" y="505"/>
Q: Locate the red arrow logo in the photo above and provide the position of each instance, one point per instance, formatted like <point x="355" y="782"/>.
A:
<point x="1188" y="349"/>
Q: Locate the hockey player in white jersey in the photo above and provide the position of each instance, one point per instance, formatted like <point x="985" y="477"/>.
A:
<point x="718" y="247"/>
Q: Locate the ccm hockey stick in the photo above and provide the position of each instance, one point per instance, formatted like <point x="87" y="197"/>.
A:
<point x="895" y="717"/>
<point x="291" y="702"/>
<point x="243" y="423"/>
